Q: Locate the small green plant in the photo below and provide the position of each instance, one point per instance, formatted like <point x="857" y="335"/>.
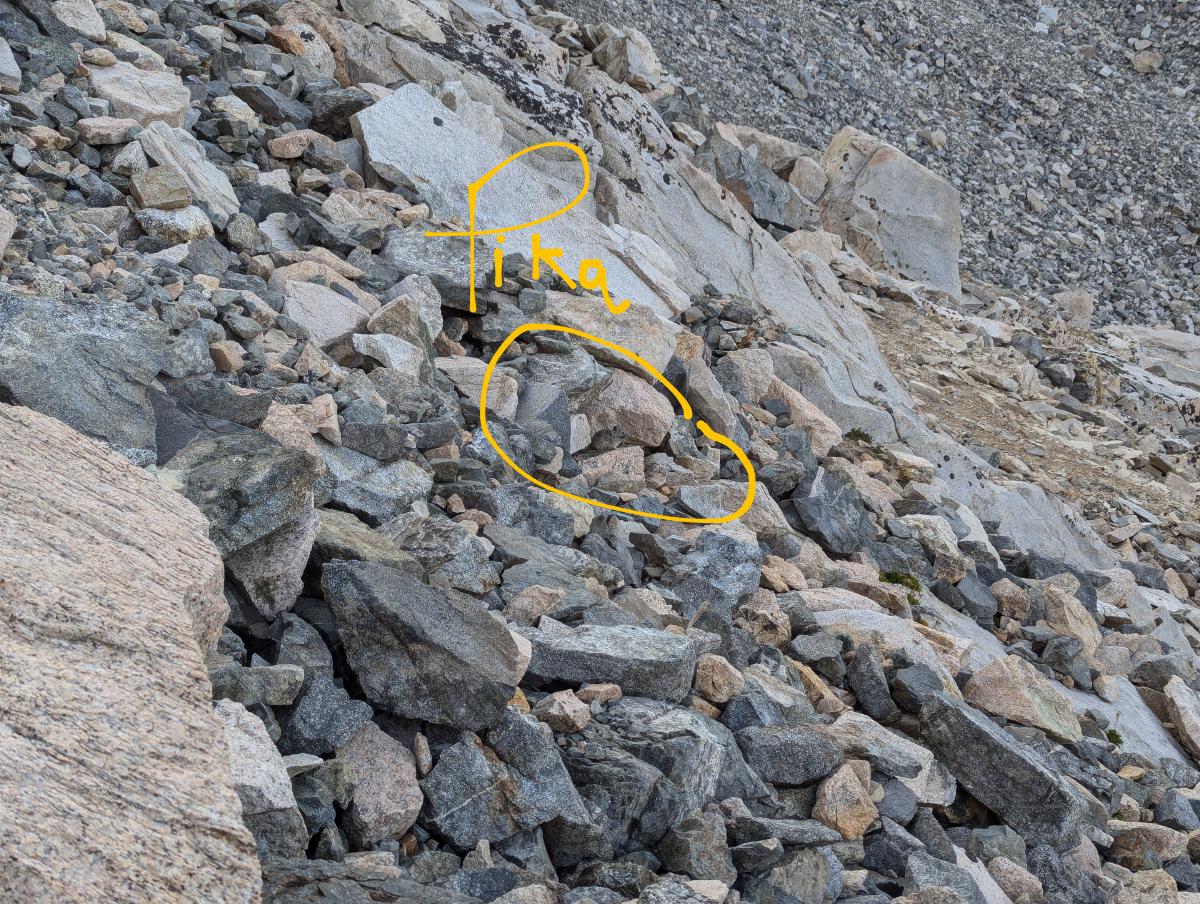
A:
<point x="861" y="435"/>
<point x="903" y="578"/>
<point x="1114" y="737"/>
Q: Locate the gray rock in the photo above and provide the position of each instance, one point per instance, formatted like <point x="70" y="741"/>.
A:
<point x="869" y="684"/>
<point x="89" y="366"/>
<point x="697" y="848"/>
<point x="809" y="875"/>
<point x="262" y="783"/>
<point x="375" y="491"/>
<point x="247" y="485"/>
<point x="887" y="851"/>
<point x="270" y="570"/>
<point x="925" y="871"/>
<point x="642" y="661"/>
<point x="419" y="652"/>
<point x="786" y="755"/>
<point x="324" y="882"/>
<point x="476" y="794"/>
<point x="322" y="719"/>
<point x="834" y="514"/>
<point x="765" y="195"/>
<point x="1003" y="774"/>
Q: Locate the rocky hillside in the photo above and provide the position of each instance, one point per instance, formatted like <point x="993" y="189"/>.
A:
<point x="1069" y="129"/>
<point x="480" y="633"/>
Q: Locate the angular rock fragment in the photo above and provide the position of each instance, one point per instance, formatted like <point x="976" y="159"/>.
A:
<point x="1003" y="774"/>
<point x="641" y="661"/>
<point x="419" y="652"/>
<point x="1012" y="688"/>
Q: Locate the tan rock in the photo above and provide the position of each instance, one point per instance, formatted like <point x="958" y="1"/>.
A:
<point x="292" y="145"/>
<point x="1183" y="707"/>
<point x="1136" y="845"/>
<point x="1066" y="615"/>
<point x="716" y="680"/>
<point x="761" y="615"/>
<point x="1011" y="600"/>
<point x="1021" y="886"/>
<point x="844" y="804"/>
<point x="467" y="376"/>
<point x="604" y="693"/>
<point x="1012" y="688"/>
<point x="386" y="797"/>
<point x="531" y="603"/>
<point x="226" y="356"/>
<point x="111" y="590"/>
<point x="326" y="315"/>
<point x="622" y="470"/>
<point x="809" y="177"/>
<point x="632" y="407"/>
<point x="563" y="711"/>
<point x="823" y="434"/>
<point x="99" y="130"/>
<point x="1153" y="886"/>
<point x="8" y="225"/>
<point x="781" y="575"/>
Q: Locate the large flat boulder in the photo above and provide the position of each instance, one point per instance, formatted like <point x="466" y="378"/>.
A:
<point x="114" y="773"/>
<point x="891" y="210"/>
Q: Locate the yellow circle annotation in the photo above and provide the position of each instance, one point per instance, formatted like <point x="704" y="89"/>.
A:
<point x="685" y="410"/>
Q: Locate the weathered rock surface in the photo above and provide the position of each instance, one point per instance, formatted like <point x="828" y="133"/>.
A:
<point x="420" y="652"/>
<point x="112" y="591"/>
<point x="891" y="210"/>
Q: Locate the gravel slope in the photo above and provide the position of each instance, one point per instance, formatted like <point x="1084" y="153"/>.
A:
<point x="1075" y="169"/>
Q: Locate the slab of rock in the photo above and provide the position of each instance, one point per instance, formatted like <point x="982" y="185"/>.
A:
<point x="327" y="315"/>
<point x="891" y="210"/>
<point x="113" y="771"/>
<point x="80" y="15"/>
<point x="10" y="71"/>
<point x="1003" y="774"/>
<point x="1012" y="688"/>
<point x="418" y="652"/>
<point x="642" y="661"/>
<point x="142" y="94"/>
<point x="262" y="783"/>
<point x="90" y="366"/>
<point x="517" y="194"/>
<point x="177" y="150"/>
<point x="1183" y="707"/>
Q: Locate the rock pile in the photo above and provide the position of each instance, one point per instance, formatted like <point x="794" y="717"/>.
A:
<point x="908" y="672"/>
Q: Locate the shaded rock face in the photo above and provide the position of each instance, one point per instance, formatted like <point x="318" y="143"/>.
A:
<point x="1003" y="774"/>
<point x="112" y="591"/>
<point x="89" y="366"/>
<point x="419" y="652"/>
